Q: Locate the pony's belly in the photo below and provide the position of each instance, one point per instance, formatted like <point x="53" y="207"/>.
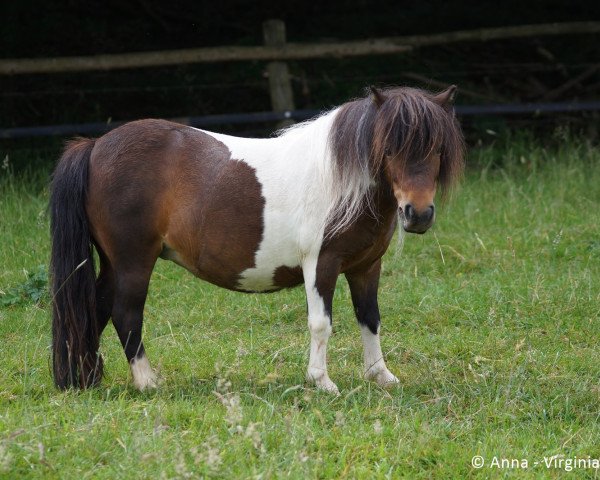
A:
<point x="267" y="276"/>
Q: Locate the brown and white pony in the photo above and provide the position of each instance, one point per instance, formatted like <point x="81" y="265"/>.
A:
<point x="253" y="215"/>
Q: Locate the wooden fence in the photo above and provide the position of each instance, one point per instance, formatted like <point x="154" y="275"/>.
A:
<point x="276" y="50"/>
<point x="279" y="50"/>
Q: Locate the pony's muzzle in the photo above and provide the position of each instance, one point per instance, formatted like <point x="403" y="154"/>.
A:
<point x="417" y="221"/>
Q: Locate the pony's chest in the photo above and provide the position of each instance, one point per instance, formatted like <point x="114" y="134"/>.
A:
<point x="364" y="243"/>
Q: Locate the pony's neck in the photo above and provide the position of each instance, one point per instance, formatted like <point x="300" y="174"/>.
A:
<point x="345" y="194"/>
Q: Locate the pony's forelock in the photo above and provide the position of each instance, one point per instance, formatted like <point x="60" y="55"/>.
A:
<point x="411" y="126"/>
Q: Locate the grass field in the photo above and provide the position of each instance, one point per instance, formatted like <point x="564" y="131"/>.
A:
<point x="491" y="322"/>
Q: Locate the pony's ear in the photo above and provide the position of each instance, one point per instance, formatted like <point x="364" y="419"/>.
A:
<point x="378" y="97"/>
<point x="446" y="98"/>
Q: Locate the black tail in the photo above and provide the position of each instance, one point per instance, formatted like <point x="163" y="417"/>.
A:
<point x="75" y="339"/>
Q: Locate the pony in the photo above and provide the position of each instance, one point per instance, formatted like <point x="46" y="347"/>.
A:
<point x="319" y="199"/>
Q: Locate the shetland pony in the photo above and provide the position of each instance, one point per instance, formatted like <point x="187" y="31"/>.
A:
<point x="253" y="215"/>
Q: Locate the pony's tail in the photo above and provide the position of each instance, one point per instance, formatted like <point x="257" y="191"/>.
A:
<point x="75" y="339"/>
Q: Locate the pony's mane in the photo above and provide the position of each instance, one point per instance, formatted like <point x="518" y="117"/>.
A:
<point x="409" y="124"/>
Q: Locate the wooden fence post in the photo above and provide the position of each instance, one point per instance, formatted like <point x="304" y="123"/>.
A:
<point x="280" y="85"/>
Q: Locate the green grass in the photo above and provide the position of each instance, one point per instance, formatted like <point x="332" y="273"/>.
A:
<point x="490" y="321"/>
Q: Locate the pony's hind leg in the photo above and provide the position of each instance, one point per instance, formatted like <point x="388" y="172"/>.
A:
<point x="132" y="280"/>
<point x="105" y="292"/>
<point x="363" y="288"/>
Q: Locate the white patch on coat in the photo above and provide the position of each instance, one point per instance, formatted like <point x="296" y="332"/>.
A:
<point x="297" y="178"/>
<point x="143" y="375"/>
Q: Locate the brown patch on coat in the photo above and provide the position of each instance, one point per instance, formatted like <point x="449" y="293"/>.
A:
<point x="287" y="277"/>
<point x="157" y="187"/>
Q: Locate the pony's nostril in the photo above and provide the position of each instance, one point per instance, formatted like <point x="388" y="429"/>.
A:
<point x="409" y="211"/>
<point x="430" y="212"/>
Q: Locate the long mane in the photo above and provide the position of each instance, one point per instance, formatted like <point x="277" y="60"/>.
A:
<point x="409" y="124"/>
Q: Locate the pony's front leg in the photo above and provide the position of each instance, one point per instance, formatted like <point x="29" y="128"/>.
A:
<point x="319" y="280"/>
<point x="363" y="288"/>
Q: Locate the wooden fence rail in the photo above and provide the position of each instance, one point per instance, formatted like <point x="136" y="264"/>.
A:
<point x="285" y="51"/>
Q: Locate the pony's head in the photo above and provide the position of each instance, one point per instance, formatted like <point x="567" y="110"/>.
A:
<point x="406" y="138"/>
<point x="419" y="146"/>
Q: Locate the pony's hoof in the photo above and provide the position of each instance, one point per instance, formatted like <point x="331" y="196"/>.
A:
<point x="148" y="382"/>
<point x="384" y="378"/>
<point x="328" y="386"/>
<point x="144" y="377"/>
<point x="324" y="383"/>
